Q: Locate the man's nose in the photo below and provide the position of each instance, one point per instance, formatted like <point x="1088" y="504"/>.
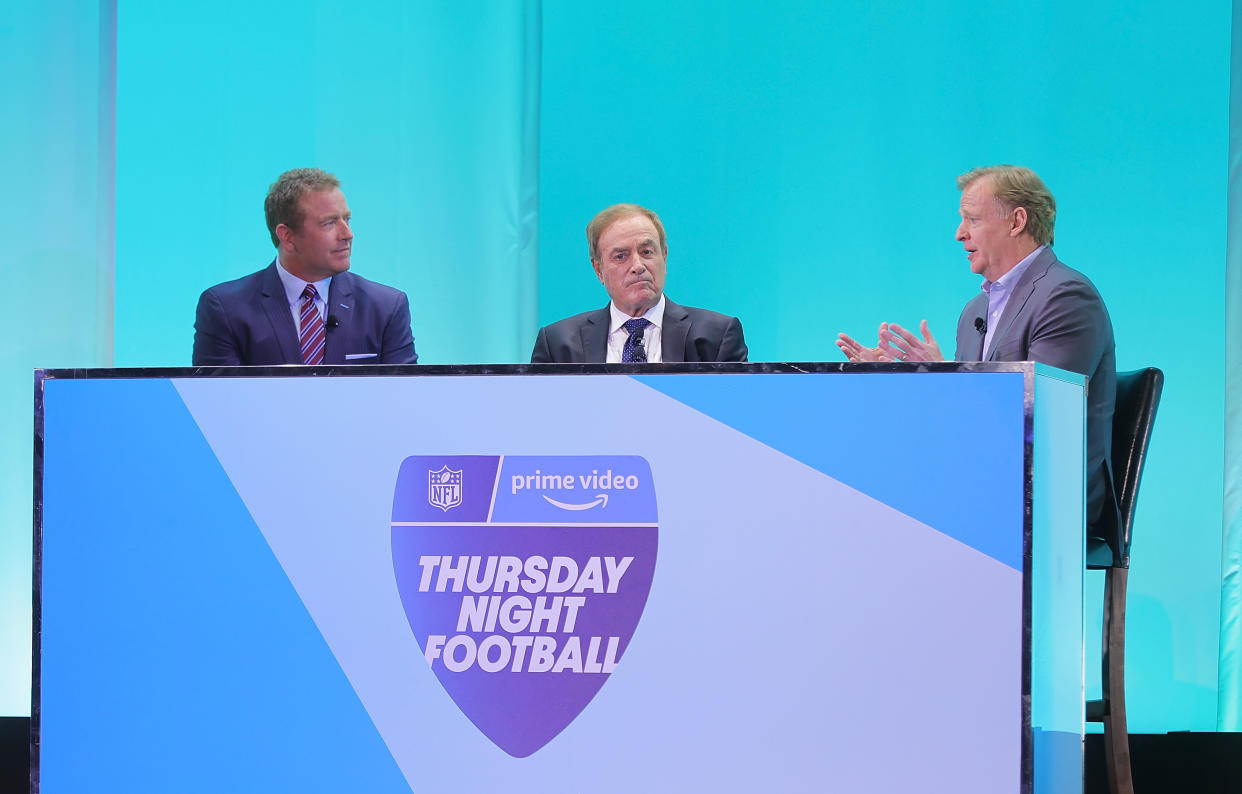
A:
<point x="344" y="232"/>
<point x="961" y="232"/>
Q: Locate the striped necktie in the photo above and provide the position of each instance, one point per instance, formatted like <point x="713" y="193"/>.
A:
<point x="313" y="333"/>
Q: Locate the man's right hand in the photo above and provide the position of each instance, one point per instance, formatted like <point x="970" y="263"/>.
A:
<point x="899" y="344"/>
<point x="857" y="352"/>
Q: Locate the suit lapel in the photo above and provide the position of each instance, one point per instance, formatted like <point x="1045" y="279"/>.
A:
<point x="341" y="305"/>
<point x="978" y="344"/>
<point x="594" y="337"/>
<point x="1021" y="295"/>
<point x="673" y="333"/>
<point x="276" y="306"/>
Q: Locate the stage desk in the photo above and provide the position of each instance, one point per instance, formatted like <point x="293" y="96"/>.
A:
<point x="750" y="577"/>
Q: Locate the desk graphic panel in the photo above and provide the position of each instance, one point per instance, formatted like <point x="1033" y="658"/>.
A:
<point x="522" y="603"/>
<point x="325" y="584"/>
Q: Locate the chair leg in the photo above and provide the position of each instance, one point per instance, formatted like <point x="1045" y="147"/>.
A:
<point x="1113" y="682"/>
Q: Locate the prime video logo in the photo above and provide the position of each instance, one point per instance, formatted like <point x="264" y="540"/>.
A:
<point x="596" y="483"/>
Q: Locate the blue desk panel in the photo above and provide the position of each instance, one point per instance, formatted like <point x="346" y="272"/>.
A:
<point x="605" y="582"/>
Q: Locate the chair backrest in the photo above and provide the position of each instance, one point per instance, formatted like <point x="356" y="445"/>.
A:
<point x="1138" y="396"/>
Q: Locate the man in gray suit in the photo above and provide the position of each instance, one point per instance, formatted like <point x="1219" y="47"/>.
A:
<point x="305" y="307"/>
<point x="1032" y="308"/>
<point x="629" y="252"/>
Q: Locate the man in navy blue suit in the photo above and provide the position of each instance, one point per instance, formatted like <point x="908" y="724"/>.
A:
<point x="305" y="307"/>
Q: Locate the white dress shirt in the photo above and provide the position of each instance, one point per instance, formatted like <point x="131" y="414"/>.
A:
<point x="651" y="334"/>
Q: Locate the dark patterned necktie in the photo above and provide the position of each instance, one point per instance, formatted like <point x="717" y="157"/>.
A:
<point x="634" y="352"/>
<point x="313" y="333"/>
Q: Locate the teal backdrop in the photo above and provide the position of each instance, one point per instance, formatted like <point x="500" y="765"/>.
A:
<point x="801" y="154"/>
<point x="56" y="139"/>
<point x="426" y="112"/>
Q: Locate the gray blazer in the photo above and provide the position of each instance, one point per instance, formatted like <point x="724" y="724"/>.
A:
<point x="1055" y="316"/>
<point x="687" y="334"/>
<point x="247" y="321"/>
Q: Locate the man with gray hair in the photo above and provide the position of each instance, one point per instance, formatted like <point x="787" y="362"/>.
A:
<point x="1032" y="308"/>
<point x="629" y="252"/>
<point x="305" y="307"/>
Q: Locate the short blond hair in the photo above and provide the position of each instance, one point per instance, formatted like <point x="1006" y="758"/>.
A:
<point x="615" y="213"/>
<point x="284" y="198"/>
<point x="1015" y="186"/>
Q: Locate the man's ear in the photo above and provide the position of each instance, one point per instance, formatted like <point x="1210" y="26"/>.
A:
<point x="285" y="235"/>
<point x="1018" y="222"/>
<point x="599" y="273"/>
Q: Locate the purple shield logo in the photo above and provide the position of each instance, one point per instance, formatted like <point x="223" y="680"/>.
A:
<point x="444" y="488"/>
<point x="523" y="602"/>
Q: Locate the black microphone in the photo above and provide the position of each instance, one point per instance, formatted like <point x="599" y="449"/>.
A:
<point x="640" y="352"/>
<point x="980" y="325"/>
<point x="332" y="322"/>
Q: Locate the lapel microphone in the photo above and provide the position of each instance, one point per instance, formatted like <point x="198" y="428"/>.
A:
<point x="980" y="325"/>
<point x="332" y="322"/>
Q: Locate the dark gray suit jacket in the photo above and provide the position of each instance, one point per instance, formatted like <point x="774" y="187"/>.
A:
<point x="1055" y="316"/>
<point x="247" y="321"/>
<point x="687" y="335"/>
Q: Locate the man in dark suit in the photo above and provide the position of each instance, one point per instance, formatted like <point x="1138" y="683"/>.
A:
<point x="629" y="252"/>
<point x="305" y="307"/>
<point x="1032" y="308"/>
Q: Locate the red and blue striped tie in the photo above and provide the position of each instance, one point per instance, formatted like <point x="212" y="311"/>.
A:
<point x="313" y="333"/>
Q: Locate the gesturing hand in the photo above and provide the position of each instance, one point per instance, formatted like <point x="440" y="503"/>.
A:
<point x="856" y="352"/>
<point x="900" y="345"/>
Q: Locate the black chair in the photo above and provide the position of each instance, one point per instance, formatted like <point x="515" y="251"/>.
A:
<point x="1138" y="395"/>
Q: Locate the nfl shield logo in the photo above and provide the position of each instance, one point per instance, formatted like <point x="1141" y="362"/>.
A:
<point x="444" y="488"/>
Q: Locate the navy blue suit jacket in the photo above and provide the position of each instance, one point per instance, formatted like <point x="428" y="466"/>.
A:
<point x="687" y="335"/>
<point x="1055" y="316"/>
<point x="247" y="321"/>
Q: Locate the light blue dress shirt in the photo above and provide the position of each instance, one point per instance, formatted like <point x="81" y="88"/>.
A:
<point x="998" y="293"/>
<point x="293" y="291"/>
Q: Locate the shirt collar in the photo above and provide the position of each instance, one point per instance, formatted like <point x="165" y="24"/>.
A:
<point x="1007" y="281"/>
<point x="655" y="315"/>
<point x="294" y="285"/>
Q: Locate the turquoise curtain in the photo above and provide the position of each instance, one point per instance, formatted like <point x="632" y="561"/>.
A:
<point x="801" y="155"/>
<point x="56" y="136"/>
<point x="803" y="158"/>
<point x="1230" y="693"/>
<point x="427" y="112"/>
